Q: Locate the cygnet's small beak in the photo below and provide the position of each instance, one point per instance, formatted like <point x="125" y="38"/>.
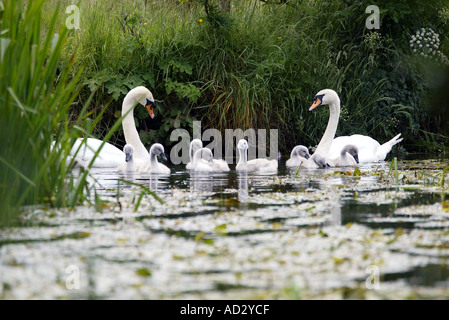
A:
<point x="356" y="158"/>
<point x="163" y="156"/>
<point x="307" y="156"/>
<point x="127" y="157"/>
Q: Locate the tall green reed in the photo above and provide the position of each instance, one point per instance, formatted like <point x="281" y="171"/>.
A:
<point x="37" y="87"/>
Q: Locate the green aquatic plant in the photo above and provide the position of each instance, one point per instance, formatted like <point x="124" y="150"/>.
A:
<point x="394" y="169"/>
<point x="37" y="88"/>
<point x="437" y="179"/>
<point x="143" y="191"/>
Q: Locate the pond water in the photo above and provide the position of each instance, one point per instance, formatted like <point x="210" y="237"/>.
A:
<point x="333" y="233"/>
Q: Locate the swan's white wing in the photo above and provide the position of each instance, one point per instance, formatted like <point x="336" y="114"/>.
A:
<point x="109" y="156"/>
<point x="342" y="161"/>
<point x="262" y="165"/>
<point x="148" y="168"/>
<point x="382" y="151"/>
<point x="217" y="165"/>
<point x="203" y="166"/>
<point x="295" y="161"/>
<point x="161" y="168"/>
<point x="221" y="165"/>
<point x="366" y="145"/>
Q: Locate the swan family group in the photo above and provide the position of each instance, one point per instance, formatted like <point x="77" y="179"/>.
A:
<point x="330" y="152"/>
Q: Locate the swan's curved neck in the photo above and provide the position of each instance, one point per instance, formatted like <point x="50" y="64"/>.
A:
<point x="328" y="136"/>
<point x="243" y="157"/>
<point x="153" y="160"/>
<point x="196" y="158"/>
<point x="130" y="131"/>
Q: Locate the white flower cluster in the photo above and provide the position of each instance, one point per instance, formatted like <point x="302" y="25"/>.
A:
<point x="426" y="43"/>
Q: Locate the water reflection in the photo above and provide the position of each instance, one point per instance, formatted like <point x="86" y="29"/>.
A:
<point x="208" y="182"/>
<point x="335" y="215"/>
<point x="242" y="178"/>
<point x="156" y="182"/>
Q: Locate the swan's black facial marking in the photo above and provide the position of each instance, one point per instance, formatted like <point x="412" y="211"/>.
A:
<point x="317" y="101"/>
<point x="150" y="103"/>
<point x="320" y="98"/>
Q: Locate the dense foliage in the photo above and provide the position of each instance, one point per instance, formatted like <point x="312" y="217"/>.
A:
<point x="260" y="64"/>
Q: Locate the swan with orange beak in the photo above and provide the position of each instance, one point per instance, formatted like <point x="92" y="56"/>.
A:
<point x="368" y="149"/>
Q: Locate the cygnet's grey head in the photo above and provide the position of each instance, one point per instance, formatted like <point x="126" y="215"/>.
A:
<point x="320" y="161"/>
<point x="352" y="150"/>
<point x="301" y="151"/>
<point x="129" y="151"/>
<point x="205" y="154"/>
<point x="242" y="145"/>
<point x="157" y="149"/>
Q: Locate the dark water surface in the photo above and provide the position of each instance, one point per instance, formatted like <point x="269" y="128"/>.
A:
<point x="317" y="234"/>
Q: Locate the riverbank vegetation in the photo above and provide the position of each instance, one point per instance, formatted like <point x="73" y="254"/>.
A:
<point x="258" y="64"/>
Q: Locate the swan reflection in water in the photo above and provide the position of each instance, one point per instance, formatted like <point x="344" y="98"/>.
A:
<point x="242" y="178"/>
<point x="156" y="182"/>
<point x="208" y="181"/>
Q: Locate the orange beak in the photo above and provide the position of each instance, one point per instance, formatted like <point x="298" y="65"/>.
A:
<point x="150" y="107"/>
<point x="315" y="104"/>
<point x="150" y="111"/>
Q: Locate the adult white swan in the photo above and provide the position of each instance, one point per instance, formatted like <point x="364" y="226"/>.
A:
<point x="143" y="96"/>
<point x="259" y="164"/>
<point x="369" y="150"/>
<point x="109" y="155"/>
